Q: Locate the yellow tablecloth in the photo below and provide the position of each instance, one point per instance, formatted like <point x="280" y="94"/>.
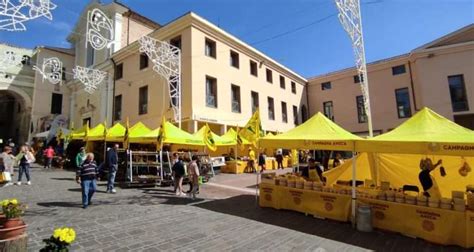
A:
<point x="437" y="225"/>
<point x="321" y="204"/>
<point x="236" y="167"/>
<point x="470" y="229"/>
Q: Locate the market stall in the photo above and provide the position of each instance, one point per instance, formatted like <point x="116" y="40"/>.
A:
<point x="316" y="133"/>
<point x="427" y="155"/>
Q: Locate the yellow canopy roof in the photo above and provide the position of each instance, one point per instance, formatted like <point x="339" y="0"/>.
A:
<point x="174" y="135"/>
<point x="424" y="133"/>
<point x="79" y="134"/>
<point x="150" y="137"/>
<point x="116" y="133"/>
<point x="137" y="132"/>
<point x="97" y="133"/>
<point x="317" y="133"/>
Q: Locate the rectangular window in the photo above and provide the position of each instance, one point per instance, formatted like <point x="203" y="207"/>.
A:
<point x="398" y="70"/>
<point x="284" y="114"/>
<point x="328" y="110"/>
<point x="211" y="92"/>
<point x="210" y="48"/>
<point x="282" y="82"/>
<point x="235" y="92"/>
<point x="234" y="59"/>
<point x="457" y="90"/>
<point x="63" y="74"/>
<point x="143" y="100"/>
<point x="176" y="41"/>
<point x="295" y="115"/>
<point x="90" y="53"/>
<point x="402" y="97"/>
<point x="143" y="61"/>
<point x="118" y="108"/>
<point x="119" y="71"/>
<point x="293" y="87"/>
<point x="56" y="104"/>
<point x="269" y="76"/>
<point x="358" y="79"/>
<point x="361" y="115"/>
<point x="87" y="121"/>
<point x="271" y="109"/>
<point x="253" y="68"/>
<point x="326" y="85"/>
<point x="255" y="102"/>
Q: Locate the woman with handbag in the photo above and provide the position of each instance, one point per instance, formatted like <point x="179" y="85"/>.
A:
<point x="24" y="159"/>
<point x="8" y="161"/>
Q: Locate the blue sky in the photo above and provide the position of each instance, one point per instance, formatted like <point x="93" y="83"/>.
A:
<point x="304" y="35"/>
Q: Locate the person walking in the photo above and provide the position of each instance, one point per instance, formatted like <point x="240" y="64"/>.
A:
<point x="49" y="154"/>
<point x="24" y="158"/>
<point x="112" y="165"/>
<point x="193" y="173"/>
<point x="80" y="157"/>
<point x="178" y="175"/>
<point x="8" y="161"/>
<point x="279" y="158"/>
<point x="261" y="161"/>
<point x="86" y="176"/>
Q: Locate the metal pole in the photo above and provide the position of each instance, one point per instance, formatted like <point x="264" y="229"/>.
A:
<point x="354" y="196"/>
<point x="350" y="18"/>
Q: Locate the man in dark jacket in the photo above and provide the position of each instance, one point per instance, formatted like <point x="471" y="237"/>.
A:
<point x="86" y="176"/>
<point x="112" y="165"/>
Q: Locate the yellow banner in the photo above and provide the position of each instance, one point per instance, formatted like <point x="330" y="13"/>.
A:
<point x="470" y="229"/>
<point x="327" y="205"/>
<point x="436" y="225"/>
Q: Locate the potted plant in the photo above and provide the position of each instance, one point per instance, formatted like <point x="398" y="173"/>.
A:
<point x="13" y="210"/>
<point x="12" y="226"/>
<point x="60" y="240"/>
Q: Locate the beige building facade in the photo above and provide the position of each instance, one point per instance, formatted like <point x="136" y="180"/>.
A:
<point x="438" y="75"/>
<point x="223" y="82"/>
<point x="16" y="95"/>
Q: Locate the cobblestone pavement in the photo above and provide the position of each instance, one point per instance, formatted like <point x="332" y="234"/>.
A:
<point x="155" y="219"/>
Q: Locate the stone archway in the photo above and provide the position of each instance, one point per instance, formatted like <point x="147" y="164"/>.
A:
<point x="15" y="115"/>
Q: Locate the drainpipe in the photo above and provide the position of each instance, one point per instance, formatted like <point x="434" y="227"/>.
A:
<point x="412" y="86"/>
<point x="113" y="90"/>
<point x="307" y="100"/>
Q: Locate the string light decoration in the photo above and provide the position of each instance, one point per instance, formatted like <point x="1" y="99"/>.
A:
<point x="9" y="59"/>
<point x="13" y="14"/>
<point x="91" y="78"/>
<point x="166" y="60"/>
<point x="100" y="31"/>
<point x="350" y="18"/>
<point x="51" y="70"/>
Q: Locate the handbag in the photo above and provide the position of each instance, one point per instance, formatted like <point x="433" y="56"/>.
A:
<point x="5" y="177"/>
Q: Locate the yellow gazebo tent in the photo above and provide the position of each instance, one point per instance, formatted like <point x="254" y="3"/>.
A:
<point x="137" y="132"/>
<point x="424" y="133"/>
<point x="79" y="134"/>
<point x="171" y="134"/>
<point x="317" y="133"/>
<point x="97" y="133"/>
<point x="148" y="138"/>
<point x="116" y="133"/>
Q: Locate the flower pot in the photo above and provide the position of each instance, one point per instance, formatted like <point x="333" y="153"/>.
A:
<point x="2" y="219"/>
<point x="14" y="222"/>
<point x="8" y="233"/>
